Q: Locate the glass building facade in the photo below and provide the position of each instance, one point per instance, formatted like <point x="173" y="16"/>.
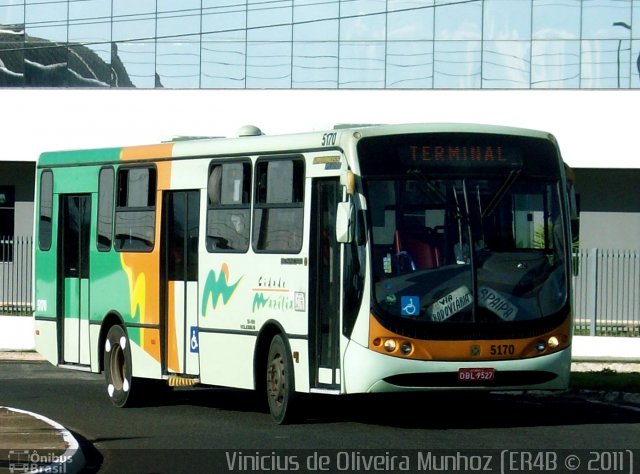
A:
<point x="342" y="44"/>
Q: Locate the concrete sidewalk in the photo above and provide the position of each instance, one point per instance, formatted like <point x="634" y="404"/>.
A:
<point x="32" y="443"/>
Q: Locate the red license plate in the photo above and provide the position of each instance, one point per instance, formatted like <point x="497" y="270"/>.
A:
<point x="476" y="375"/>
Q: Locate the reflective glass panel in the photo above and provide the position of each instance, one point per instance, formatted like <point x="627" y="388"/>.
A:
<point x="269" y="49"/>
<point x="605" y="64"/>
<point x="269" y="65"/>
<point x="409" y="64"/>
<point x="506" y="64"/>
<point x="133" y="49"/>
<point x="635" y="66"/>
<point x="178" y="63"/>
<point x="134" y="20"/>
<point x="410" y="20"/>
<point x="599" y="18"/>
<point x="269" y="21"/>
<point x="556" y="20"/>
<point x="178" y="47"/>
<point x="507" y="20"/>
<point x="12" y="13"/>
<point x="315" y="64"/>
<point x="45" y="56"/>
<point x="134" y="63"/>
<point x="362" y="65"/>
<point x="223" y="44"/>
<point x="555" y="64"/>
<point x="311" y="23"/>
<point x="11" y="47"/>
<point x="457" y="64"/>
<point x="362" y="20"/>
<point x="460" y="21"/>
<point x="315" y="44"/>
<point x="90" y="43"/>
<point x="223" y="62"/>
<point x="46" y="20"/>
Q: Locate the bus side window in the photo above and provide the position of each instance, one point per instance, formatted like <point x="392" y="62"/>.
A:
<point x="46" y="210"/>
<point x="279" y="203"/>
<point x="104" y="232"/>
<point x="229" y="207"/>
<point x="135" y="209"/>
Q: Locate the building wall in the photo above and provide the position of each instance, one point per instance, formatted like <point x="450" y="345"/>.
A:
<point x="396" y="44"/>
<point x="20" y="175"/>
<point x="609" y="208"/>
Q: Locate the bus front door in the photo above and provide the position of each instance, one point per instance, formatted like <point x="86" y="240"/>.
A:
<point x="179" y="282"/>
<point x="324" y="309"/>
<point x="73" y="278"/>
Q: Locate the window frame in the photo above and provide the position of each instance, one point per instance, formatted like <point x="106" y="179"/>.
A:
<point x="125" y="209"/>
<point x="261" y="204"/>
<point x="45" y="240"/>
<point x="110" y="214"/>
<point x="245" y="162"/>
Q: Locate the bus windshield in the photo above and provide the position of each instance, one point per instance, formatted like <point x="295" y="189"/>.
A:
<point x="466" y="245"/>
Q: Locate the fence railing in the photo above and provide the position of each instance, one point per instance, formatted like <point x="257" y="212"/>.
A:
<point x="606" y="297"/>
<point x="16" y="272"/>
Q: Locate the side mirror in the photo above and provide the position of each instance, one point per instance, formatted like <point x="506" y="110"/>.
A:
<point x="344" y="222"/>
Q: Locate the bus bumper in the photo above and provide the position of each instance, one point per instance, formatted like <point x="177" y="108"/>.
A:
<point x="369" y="371"/>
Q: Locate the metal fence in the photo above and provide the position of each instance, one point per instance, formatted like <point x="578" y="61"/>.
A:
<point x="606" y="297"/>
<point x="16" y="272"/>
<point x="607" y="292"/>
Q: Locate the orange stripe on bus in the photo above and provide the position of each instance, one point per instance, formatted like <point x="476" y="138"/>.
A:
<point x="466" y="350"/>
<point x="146" y="265"/>
<point x="147" y="152"/>
<point x="173" y="363"/>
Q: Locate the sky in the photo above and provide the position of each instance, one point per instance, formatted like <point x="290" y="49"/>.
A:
<point x="595" y="129"/>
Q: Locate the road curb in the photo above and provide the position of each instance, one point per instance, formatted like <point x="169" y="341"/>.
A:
<point x="41" y="459"/>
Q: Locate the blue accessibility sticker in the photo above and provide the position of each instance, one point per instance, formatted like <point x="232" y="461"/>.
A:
<point x="409" y="305"/>
<point x="194" y="343"/>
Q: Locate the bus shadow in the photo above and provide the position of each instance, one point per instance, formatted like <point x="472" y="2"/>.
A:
<point x="465" y="411"/>
<point x="220" y="398"/>
<point x="418" y="410"/>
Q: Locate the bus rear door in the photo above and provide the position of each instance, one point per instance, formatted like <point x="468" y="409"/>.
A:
<point x="179" y="282"/>
<point x="73" y="277"/>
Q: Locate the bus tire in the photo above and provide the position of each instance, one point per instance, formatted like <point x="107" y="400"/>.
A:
<point x="117" y="367"/>
<point x="280" y="388"/>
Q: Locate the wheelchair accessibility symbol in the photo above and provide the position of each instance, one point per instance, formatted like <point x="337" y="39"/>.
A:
<point x="409" y="305"/>
<point x="194" y="344"/>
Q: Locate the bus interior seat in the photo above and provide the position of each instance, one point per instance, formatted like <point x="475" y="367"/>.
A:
<point x="421" y="246"/>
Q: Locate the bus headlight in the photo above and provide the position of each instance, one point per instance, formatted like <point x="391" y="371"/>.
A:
<point x="406" y="348"/>
<point x="553" y="342"/>
<point x="390" y="345"/>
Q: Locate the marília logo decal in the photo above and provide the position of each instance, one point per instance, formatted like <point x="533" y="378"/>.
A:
<point x="216" y="287"/>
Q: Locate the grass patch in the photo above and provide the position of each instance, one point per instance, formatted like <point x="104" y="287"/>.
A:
<point x="606" y="379"/>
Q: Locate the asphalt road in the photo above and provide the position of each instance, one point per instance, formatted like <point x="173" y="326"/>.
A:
<point x="222" y="430"/>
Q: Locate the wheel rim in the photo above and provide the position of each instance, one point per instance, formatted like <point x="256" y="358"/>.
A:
<point x="276" y="380"/>
<point x="117" y="367"/>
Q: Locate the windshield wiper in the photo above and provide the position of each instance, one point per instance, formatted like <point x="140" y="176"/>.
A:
<point x="497" y="197"/>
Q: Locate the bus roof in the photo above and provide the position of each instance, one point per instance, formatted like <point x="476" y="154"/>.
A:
<point x="263" y="144"/>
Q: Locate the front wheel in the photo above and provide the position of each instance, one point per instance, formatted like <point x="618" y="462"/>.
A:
<point x="280" y="381"/>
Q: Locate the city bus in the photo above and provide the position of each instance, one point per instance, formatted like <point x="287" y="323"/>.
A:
<point x="373" y="258"/>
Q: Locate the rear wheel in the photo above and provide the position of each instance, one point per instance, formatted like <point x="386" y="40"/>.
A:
<point x="280" y="387"/>
<point x="117" y="367"/>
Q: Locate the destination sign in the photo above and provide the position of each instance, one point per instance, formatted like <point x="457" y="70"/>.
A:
<point x="460" y="155"/>
<point x="446" y="153"/>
